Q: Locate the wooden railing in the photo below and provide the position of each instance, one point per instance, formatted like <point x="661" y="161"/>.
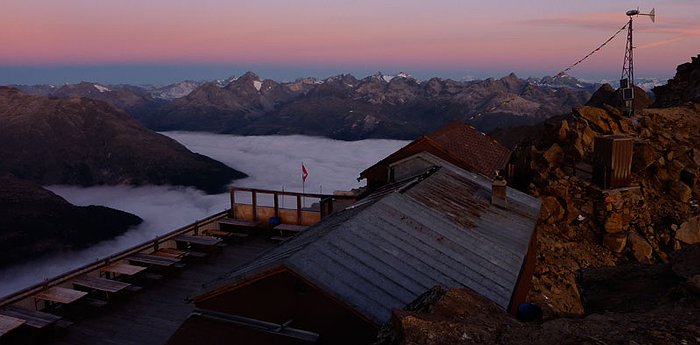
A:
<point x="149" y="245"/>
<point x="301" y="216"/>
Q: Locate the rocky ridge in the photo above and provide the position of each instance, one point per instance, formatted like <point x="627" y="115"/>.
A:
<point x="341" y="107"/>
<point x="377" y="106"/>
<point x="684" y="88"/>
<point x="86" y="142"/>
<point x="36" y="221"/>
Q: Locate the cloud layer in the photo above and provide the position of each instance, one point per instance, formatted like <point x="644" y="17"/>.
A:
<point x="273" y="162"/>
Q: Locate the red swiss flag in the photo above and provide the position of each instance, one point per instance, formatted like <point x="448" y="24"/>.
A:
<point x="304" y="173"/>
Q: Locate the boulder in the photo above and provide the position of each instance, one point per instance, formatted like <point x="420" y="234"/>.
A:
<point x="554" y="155"/>
<point x="641" y="249"/>
<point x="613" y="223"/>
<point x="643" y="156"/>
<point x="563" y="131"/>
<point x="595" y="117"/>
<point x="680" y="191"/>
<point x="551" y="210"/>
<point x="615" y="242"/>
<point x="689" y="232"/>
<point x="695" y="156"/>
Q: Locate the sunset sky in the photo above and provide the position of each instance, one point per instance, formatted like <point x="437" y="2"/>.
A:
<point x="159" y="41"/>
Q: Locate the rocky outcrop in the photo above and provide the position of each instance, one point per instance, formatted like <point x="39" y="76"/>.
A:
<point x="35" y="221"/>
<point x="607" y="97"/>
<point x="583" y="225"/>
<point x="683" y="89"/>
<point x="85" y="142"/>
<point x="629" y="304"/>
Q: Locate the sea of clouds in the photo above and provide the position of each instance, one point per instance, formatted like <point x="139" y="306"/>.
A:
<point x="272" y="162"/>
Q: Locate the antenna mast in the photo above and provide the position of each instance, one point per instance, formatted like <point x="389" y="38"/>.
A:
<point x="627" y="77"/>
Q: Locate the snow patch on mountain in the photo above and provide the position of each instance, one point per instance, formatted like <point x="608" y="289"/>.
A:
<point x="177" y="90"/>
<point x="101" y="88"/>
<point x="257" y="84"/>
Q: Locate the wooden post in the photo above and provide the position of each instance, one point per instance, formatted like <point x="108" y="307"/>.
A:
<point x="277" y="205"/>
<point x="233" y="204"/>
<point x="298" y="209"/>
<point x="255" y="206"/>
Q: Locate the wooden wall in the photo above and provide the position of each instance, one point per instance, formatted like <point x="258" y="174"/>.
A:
<point x="525" y="277"/>
<point x="283" y="296"/>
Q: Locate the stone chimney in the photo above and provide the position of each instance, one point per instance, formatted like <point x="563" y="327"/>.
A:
<point x="498" y="191"/>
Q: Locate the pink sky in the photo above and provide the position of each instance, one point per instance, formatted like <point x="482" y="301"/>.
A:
<point x="527" y="37"/>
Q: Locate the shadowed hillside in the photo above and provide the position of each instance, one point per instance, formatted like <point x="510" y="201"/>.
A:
<point x="84" y="142"/>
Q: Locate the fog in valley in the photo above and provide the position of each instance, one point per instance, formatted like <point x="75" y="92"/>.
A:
<point x="272" y="162"/>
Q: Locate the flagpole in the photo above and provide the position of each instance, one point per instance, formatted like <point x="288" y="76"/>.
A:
<point x="303" y="182"/>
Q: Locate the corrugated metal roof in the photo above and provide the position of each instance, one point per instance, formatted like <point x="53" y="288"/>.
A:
<point x="479" y="151"/>
<point x="437" y="229"/>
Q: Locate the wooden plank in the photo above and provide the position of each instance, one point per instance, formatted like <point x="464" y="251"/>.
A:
<point x="35" y="319"/>
<point x="290" y="227"/>
<point x="219" y="233"/>
<point x="60" y="295"/>
<point x="8" y="323"/>
<point x="239" y="222"/>
<point x="101" y="284"/>
<point x="181" y="253"/>
<point x="122" y="268"/>
<point x="200" y="240"/>
<point x="170" y="253"/>
<point x="152" y="260"/>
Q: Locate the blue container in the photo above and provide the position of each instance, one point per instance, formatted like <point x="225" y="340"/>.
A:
<point x="274" y="221"/>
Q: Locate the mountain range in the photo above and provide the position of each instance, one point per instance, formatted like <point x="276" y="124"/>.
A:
<point x="340" y="107"/>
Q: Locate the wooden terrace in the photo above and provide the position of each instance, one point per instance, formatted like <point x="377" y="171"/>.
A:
<point x="140" y="295"/>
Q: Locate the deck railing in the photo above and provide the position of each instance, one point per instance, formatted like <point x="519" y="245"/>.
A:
<point x="91" y="267"/>
<point x="300" y="214"/>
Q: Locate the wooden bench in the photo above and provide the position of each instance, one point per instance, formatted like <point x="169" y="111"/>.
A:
<point x="219" y="233"/>
<point x="287" y="230"/>
<point x="290" y="227"/>
<point x="155" y="260"/>
<point x="35" y="319"/>
<point x="93" y="302"/>
<point x="9" y="323"/>
<point x="170" y="253"/>
<point x="239" y="222"/>
<point x="122" y="269"/>
<point x="100" y="284"/>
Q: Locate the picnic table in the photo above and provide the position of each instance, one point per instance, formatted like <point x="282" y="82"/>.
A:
<point x="122" y="268"/>
<point x="290" y="227"/>
<point x="8" y="323"/>
<point x="170" y="253"/>
<point x="35" y="319"/>
<point x="59" y="294"/>
<point x="239" y="222"/>
<point x="101" y="284"/>
<point x="154" y="260"/>
<point x="206" y="241"/>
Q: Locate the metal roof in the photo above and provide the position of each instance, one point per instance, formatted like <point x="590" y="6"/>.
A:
<point x="461" y="143"/>
<point x="438" y="228"/>
<point x="479" y="151"/>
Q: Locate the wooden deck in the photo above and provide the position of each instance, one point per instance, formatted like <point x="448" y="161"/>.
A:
<point x="151" y="315"/>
